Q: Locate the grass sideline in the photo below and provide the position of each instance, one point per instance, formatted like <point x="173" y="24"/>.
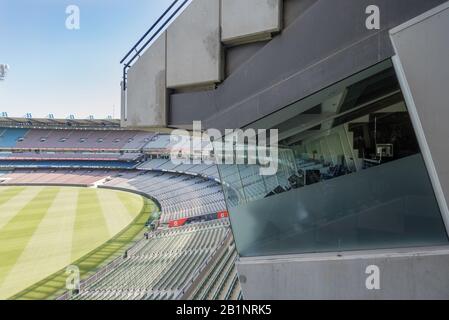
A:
<point x="54" y="286"/>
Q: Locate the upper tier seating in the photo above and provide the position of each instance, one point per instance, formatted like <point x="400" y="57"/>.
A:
<point x="74" y="139"/>
<point x="138" y="141"/>
<point x="9" y="137"/>
<point x="159" y="142"/>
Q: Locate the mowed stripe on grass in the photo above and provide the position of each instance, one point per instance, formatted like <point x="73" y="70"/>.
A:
<point x="90" y="229"/>
<point x="15" y="235"/>
<point x="12" y="200"/>
<point x="47" y="228"/>
<point x="117" y="209"/>
<point x="49" y="247"/>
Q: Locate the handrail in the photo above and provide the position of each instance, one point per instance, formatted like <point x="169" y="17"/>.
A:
<point x="149" y="30"/>
<point x="127" y="64"/>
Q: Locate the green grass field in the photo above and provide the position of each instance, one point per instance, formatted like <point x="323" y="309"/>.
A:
<point x="45" y="229"/>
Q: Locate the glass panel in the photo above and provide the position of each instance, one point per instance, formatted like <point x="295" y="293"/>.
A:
<point x="350" y="176"/>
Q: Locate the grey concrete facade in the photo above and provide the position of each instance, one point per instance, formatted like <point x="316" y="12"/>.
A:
<point x="195" y="57"/>
<point x="424" y="82"/>
<point x="403" y="274"/>
<point x="289" y="68"/>
<point x="249" y="20"/>
<point x="194" y="52"/>
<point x="146" y="95"/>
<point x="421" y="47"/>
<point x="325" y="41"/>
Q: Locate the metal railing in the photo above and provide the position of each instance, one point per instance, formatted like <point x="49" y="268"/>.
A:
<point x="174" y="8"/>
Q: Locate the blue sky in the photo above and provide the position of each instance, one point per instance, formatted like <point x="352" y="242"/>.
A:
<point x="61" y="71"/>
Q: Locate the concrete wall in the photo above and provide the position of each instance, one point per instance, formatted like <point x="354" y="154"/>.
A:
<point x="403" y="274"/>
<point x="422" y="47"/>
<point x="146" y="97"/>
<point x="194" y="57"/>
<point x="238" y="55"/>
<point x="194" y="52"/>
<point x="292" y="9"/>
<point x="328" y="42"/>
<point x="249" y="20"/>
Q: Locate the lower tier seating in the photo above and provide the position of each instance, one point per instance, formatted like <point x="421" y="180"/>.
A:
<point x="164" y="266"/>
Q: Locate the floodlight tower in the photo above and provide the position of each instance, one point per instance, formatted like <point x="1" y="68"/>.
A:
<point x="3" y="71"/>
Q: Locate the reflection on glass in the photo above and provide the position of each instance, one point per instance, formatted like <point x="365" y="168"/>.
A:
<point x="350" y="176"/>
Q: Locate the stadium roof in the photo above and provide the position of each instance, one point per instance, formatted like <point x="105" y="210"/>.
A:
<point x="59" y="123"/>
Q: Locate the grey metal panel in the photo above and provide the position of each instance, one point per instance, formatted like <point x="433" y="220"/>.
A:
<point x="422" y="47"/>
<point x="404" y="274"/>
<point x="327" y="43"/>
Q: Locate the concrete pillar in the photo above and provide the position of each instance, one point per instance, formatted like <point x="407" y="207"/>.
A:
<point x="146" y="95"/>
<point x="194" y="52"/>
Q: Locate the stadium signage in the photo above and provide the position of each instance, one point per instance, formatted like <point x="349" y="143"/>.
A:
<point x="177" y="223"/>
<point x="222" y="215"/>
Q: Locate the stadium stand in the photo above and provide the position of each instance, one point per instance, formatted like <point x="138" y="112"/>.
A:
<point x="44" y="139"/>
<point x="9" y="136"/>
<point x="153" y="164"/>
<point x="160" y="143"/>
<point x="71" y="156"/>
<point x="192" y="259"/>
<point x="204" y="170"/>
<point x="66" y="164"/>
<point x="181" y="196"/>
<point x="65" y="148"/>
<point x="221" y="282"/>
<point x="138" y="141"/>
<point x="11" y="122"/>
<point x="164" y="266"/>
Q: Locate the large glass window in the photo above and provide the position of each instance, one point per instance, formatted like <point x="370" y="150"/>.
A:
<point x="350" y="176"/>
